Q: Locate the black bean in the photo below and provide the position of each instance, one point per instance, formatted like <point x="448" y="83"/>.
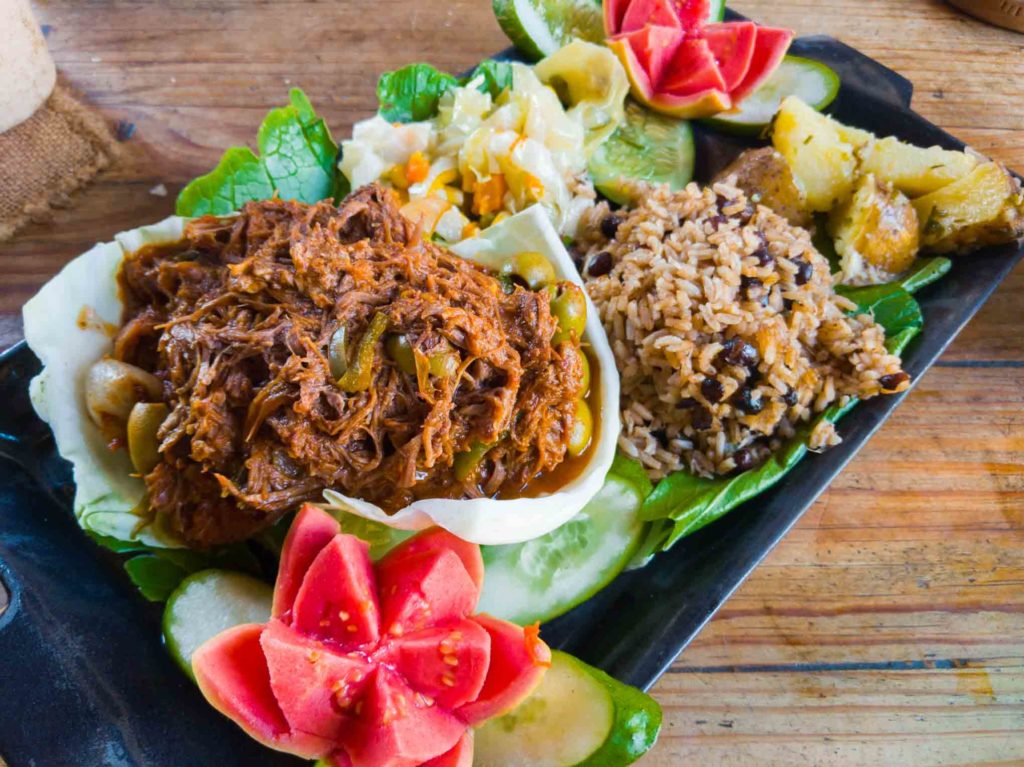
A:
<point x="610" y="226"/>
<point x="743" y="215"/>
<point x="762" y="254"/>
<point x="717" y="221"/>
<point x="600" y="264"/>
<point x="739" y="352"/>
<point x="749" y="400"/>
<point x="791" y="397"/>
<point x="712" y="389"/>
<point x="750" y="283"/>
<point x="702" y="418"/>
<point x="578" y="258"/>
<point x="686" y="403"/>
<point x="804" y="271"/>
<point x="744" y="459"/>
<point x="893" y="381"/>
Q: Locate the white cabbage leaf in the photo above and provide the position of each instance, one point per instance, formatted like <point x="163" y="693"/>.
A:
<point x="69" y="325"/>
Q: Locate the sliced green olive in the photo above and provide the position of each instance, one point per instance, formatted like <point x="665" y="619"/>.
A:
<point x="532" y="268"/>
<point x="569" y="306"/>
<point x="359" y="375"/>
<point x="143" y="424"/>
<point x="400" y="350"/>
<point x="444" y="363"/>
<point x="585" y="364"/>
<point x="468" y="461"/>
<point x="337" y="353"/>
<point x="582" y="429"/>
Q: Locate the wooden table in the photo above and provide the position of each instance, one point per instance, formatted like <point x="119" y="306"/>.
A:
<point x="888" y="628"/>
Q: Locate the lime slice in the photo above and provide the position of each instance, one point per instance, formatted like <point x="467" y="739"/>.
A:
<point x="538" y="28"/>
<point x="814" y="82"/>
<point x="646" y="147"/>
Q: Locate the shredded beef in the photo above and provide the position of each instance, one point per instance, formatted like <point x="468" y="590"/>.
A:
<point x="236" y="320"/>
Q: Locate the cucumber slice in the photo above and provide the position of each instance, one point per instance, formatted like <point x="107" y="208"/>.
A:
<point x="538" y="28"/>
<point x="540" y="579"/>
<point x="645" y="147"/>
<point x="812" y="81"/>
<point x="207" y="603"/>
<point x="577" y="716"/>
<point x="717" y="12"/>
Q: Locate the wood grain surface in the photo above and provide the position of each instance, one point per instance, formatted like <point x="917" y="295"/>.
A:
<point x="888" y="628"/>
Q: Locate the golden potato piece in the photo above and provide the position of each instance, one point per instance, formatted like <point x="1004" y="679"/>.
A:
<point x="822" y="161"/>
<point x="877" y="228"/>
<point x="766" y="178"/>
<point x="985" y="207"/>
<point x="855" y="137"/>
<point x="915" y="170"/>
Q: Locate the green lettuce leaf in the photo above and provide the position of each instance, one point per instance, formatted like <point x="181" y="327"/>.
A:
<point x="296" y="161"/>
<point x="410" y="94"/>
<point x="683" y="503"/>
<point x="497" y="77"/>
<point x="158" y="572"/>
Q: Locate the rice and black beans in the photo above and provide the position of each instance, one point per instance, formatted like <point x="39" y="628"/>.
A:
<point x="726" y="329"/>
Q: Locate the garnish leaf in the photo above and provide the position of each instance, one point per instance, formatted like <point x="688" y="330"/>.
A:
<point x="928" y="270"/>
<point x="296" y="161"/>
<point x="683" y="503"/>
<point x="158" y="572"/>
<point x="410" y="94"/>
<point x="496" y="77"/>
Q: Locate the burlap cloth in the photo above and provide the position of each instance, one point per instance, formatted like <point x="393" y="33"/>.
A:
<point x="47" y="157"/>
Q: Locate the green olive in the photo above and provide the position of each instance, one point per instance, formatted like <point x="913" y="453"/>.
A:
<point x="569" y="306"/>
<point x="400" y="350"/>
<point x="584" y="363"/>
<point x="586" y="371"/>
<point x="444" y="363"/>
<point x="143" y="424"/>
<point x="582" y="429"/>
<point x="532" y="268"/>
<point x="337" y="353"/>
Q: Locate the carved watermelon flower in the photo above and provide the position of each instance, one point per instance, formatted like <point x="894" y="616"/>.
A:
<point x="371" y="665"/>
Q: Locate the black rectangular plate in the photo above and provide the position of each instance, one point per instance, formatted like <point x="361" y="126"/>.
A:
<point x="84" y="679"/>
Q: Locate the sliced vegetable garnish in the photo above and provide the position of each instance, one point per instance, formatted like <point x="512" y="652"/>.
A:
<point x="812" y="81"/>
<point x="683" y="503"/>
<point x="296" y="162"/>
<point x="541" y="579"/>
<point x="538" y="28"/>
<point x="208" y="602"/>
<point x="646" y="147"/>
<point x="408" y="667"/>
<point x="578" y="717"/>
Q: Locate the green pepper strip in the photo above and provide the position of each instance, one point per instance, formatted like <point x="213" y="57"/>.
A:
<point x="360" y="373"/>
<point x="468" y="461"/>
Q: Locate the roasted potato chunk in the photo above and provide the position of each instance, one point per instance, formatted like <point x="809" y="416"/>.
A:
<point x="876" y="232"/>
<point x="766" y="178"/>
<point x="985" y="207"/>
<point x="914" y="170"/>
<point x="823" y="163"/>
